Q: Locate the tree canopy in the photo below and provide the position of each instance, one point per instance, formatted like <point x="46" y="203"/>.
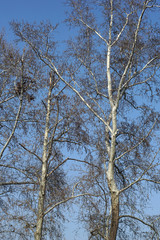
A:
<point x="99" y="100"/>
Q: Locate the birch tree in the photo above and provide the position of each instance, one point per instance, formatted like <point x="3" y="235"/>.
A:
<point x="112" y="66"/>
<point x="120" y="88"/>
<point x="44" y="131"/>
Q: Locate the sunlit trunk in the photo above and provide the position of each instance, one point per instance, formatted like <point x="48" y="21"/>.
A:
<point x="42" y="190"/>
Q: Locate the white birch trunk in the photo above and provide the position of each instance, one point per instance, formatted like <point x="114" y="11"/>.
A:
<point x="42" y="190"/>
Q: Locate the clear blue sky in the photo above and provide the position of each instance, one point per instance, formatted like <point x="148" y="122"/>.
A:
<point x="32" y="10"/>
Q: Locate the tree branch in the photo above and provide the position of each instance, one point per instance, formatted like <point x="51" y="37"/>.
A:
<point x="66" y="200"/>
<point x="15" y="183"/>
<point x="13" y="130"/>
<point x="140" y="220"/>
<point x="144" y="172"/>
<point x="30" y="152"/>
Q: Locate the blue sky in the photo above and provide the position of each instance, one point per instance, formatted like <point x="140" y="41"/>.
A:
<point x="32" y="10"/>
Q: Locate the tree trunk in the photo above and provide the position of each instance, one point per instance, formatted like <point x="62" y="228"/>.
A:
<point x="38" y="233"/>
<point x="115" y="216"/>
<point x="41" y="200"/>
<point x="114" y="202"/>
<point x="112" y="181"/>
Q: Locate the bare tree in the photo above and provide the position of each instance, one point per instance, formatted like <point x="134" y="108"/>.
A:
<point x="119" y="88"/>
<point x="44" y="129"/>
<point x="112" y="66"/>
